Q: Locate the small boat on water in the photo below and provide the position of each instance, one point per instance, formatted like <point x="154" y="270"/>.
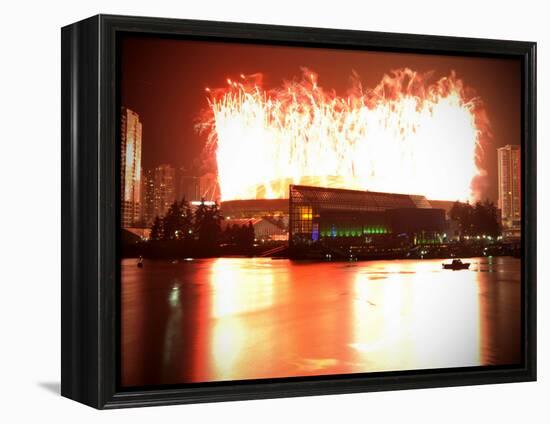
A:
<point x="457" y="264"/>
<point x="140" y="262"/>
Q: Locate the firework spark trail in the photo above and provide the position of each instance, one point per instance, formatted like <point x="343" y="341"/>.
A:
<point x="404" y="136"/>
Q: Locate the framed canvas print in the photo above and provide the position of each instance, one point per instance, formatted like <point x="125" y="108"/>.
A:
<point x="254" y="211"/>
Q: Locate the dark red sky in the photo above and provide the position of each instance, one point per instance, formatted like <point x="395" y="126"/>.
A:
<point x="163" y="80"/>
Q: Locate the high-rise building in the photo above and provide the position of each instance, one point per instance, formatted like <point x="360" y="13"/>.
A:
<point x="209" y="188"/>
<point x="188" y="187"/>
<point x="509" y="187"/>
<point x="148" y="197"/>
<point x="164" y="189"/>
<point x="130" y="167"/>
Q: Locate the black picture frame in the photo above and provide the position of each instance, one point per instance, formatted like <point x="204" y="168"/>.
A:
<point x="89" y="219"/>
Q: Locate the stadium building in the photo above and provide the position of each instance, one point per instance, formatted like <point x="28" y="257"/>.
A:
<point x="361" y="220"/>
<point x="330" y="219"/>
<point x="254" y="208"/>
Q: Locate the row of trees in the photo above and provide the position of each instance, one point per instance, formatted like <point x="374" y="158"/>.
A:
<point x="239" y="235"/>
<point x="202" y="227"/>
<point x="478" y="219"/>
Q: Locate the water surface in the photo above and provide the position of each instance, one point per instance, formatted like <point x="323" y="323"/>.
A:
<point x="246" y="318"/>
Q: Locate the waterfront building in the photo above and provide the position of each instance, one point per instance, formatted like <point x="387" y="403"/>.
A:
<point x="130" y="167"/>
<point x="254" y="208"/>
<point x="349" y="218"/>
<point x="265" y="229"/>
<point x="189" y="187"/>
<point x="509" y="189"/>
<point x="148" y="197"/>
<point x="209" y="188"/>
<point x="164" y="191"/>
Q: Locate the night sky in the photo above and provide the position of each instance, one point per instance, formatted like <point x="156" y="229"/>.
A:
<point x="164" y="81"/>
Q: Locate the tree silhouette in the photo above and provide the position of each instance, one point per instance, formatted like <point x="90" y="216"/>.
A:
<point x="156" y="229"/>
<point x="208" y="225"/>
<point x="229" y="234"/>
<point x="485" y="219"/>
<point x="249" y="235"/>
<point x="480" y="219"/>
<point x="178" y="221"/>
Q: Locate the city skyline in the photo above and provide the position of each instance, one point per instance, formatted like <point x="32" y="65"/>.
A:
<point x="148" y="193"/>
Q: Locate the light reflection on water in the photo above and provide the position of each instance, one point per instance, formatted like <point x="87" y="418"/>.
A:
<point x="244" y="318"/>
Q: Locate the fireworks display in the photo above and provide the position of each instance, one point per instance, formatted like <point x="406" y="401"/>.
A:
<point x="408" y="134"/>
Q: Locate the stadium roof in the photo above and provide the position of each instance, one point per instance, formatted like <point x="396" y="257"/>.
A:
<point x="341" y="199"/>
<point x="232" y="207"/>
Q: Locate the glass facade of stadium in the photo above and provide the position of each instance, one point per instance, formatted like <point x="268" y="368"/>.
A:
<point x="361" y="220"/>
